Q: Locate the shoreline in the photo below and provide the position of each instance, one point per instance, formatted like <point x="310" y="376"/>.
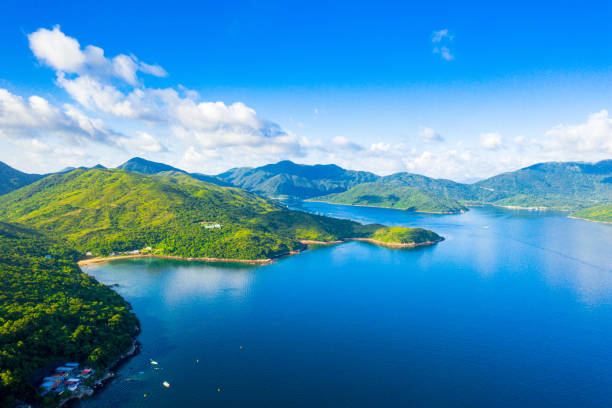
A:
<point x="518" y="207"/>
<point x="98" y="260"/>
<point x="390" y="208"/>
<point x="375" y="242"/>
<point x="266" y="261"/>
<point x="101" y="383"/>
<point x="586" y="219"/>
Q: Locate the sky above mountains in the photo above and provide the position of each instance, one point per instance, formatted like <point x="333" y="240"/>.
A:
<point x="446" y="90"/>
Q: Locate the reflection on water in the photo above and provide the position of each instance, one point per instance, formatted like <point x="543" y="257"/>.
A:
<point x="513" y="309"/>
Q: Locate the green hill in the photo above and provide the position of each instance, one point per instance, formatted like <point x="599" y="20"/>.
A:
<point x="563" y="186"/>
<point x="105" y="211"/>
<point x="51" y="312"/>
<point x="442" y="188"/>
<point x="140" y="165"/>
<point x="394" y="195"/>
<point x="601" y="213"/>
<point x="12" y="179"/>
<point x="286" y="179"/>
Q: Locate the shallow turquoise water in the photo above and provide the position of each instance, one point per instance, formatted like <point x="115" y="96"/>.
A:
<point x="513" y="309"/>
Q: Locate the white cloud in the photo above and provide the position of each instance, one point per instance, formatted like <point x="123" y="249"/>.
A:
<point x="54" y="48"/>
<point x="64" y="54"/>
<point x="441" y="40"/>
<point x="344" y="143"/>
<point x="491" y="140"/>
<point x="438" y="36"/>
<point x="444" y="53"/>
<point x="154" y="70"/>
<point x="429" y="135"/>
<point x="35" y="117"/>
<point x="143" y="142"/>
<point x="593" y="136"/>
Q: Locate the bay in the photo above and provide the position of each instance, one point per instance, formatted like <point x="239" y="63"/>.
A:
<point x="513" y="309"/>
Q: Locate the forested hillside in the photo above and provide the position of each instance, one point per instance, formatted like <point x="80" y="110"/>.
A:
<point x="394" y="194"/>
<point x="105" y="211"/>
<point x="286" y="179"/>
<point x="561" y="186"/>
<point x="50" y="311"/>
<point x="565" y="186"/>
<point x="602" y="213"/>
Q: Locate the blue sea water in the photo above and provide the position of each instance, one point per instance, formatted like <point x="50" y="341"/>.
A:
<point x="513" y="309"/>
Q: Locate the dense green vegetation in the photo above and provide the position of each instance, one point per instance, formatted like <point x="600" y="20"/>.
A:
<point x="51" y="312"/>
<point x="106" y="211"/>
<point x="597" y="213"/>
<point x="405" y="235"/>
<point x="394" y="195"/>
<point x="140" y="165"/>
<point x="11" y="179"/>
<point x="286" y="179"/>
<point x="563" y="186"/>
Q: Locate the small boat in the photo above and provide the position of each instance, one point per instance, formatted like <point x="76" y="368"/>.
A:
<point x="153" y="362"/>
<point x="166" y="384"/>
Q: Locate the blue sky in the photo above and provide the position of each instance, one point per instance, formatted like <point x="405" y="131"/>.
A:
<point x="444" y="89"/>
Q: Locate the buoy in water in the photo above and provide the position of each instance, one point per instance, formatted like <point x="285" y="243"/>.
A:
<point x="166" y="384"/>
<point x="218" y="389"/>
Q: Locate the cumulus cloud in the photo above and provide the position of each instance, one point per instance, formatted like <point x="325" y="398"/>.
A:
<point x="429" y="135"/>
<point x="143" y="142"/>
<point x="35" y="116"/>
<point x="344" y="143"/>
<point x="491" y="140"/>
<point x="441" y="40"/>
<point x="110" y="87"/>
<point x="593" y="136"/>
<point x="64" y="54"/>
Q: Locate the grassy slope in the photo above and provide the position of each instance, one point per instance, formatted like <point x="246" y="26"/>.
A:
<point x="50" y="311"/>
<point x="394" y="195"/>
<point x="597" y="213"/>
<point x="107" y="211"/>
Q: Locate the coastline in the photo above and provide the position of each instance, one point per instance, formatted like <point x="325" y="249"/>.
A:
<point x="266" y="261"/>
<point x="586" y="219"/>
<point x="389" y="208"/>
<point x="99" y="385"/>
<point x="518" y="207"/>
<point x="113" y="258"/>
<point x="376" y="242"/>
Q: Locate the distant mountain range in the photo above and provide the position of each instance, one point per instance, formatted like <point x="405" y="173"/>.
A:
<point x="569" y="186"/>
<point x="286" y="179"/>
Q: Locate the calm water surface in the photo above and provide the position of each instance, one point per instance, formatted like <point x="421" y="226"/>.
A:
<point x="513" y="309"/>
